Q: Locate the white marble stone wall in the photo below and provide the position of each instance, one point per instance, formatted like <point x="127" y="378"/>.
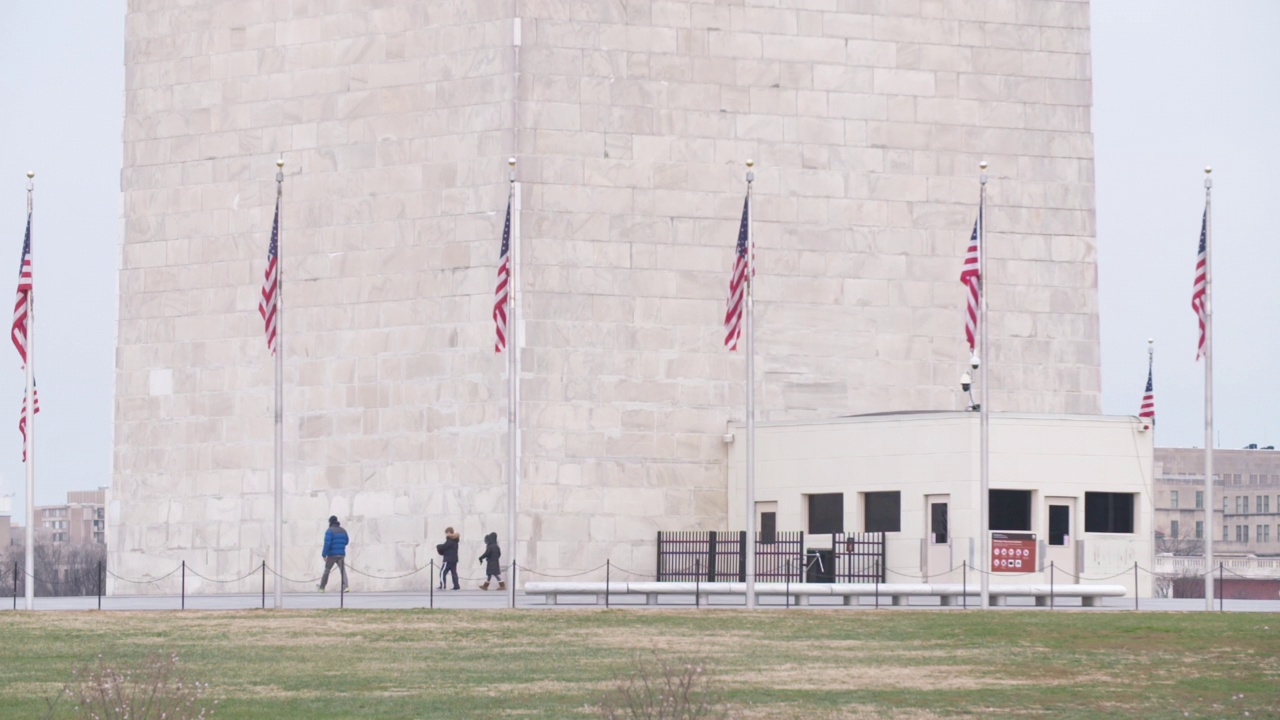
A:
<point x="866" y="118"/>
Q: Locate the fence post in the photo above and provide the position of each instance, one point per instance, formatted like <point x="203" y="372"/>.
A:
<point x="1051" y="570"/>
<point x="15" y="584"/>
<point x="264" y="584"/>
<point x="877" y="591"/>
<point x="101" y="580"/>
<point x="1221" y="586"/>
<point x="513" y="577"/>
<point x="964" y="584"/>
<point x="660" y="554"/>
<point x="432" y="592"/>
<point x="184" y="584"/>
<point x="342" y="597"/>
<point x="789" y="569"/>
<point x="697" y="582"/>
<point x="742" y="557"/>
<point x="608" y="568"/>
<point x="1135" y="584"/>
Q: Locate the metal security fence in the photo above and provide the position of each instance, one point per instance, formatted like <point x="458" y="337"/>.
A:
<point x="859" y="557"/>
<point x="718" y="556"/>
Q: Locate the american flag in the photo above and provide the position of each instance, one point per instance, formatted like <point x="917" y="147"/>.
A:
<point x="1148" y="409"/>
<point x="1199" y="299"/>
<point x="21" y="314"/>
<point x="22" y="417"/>
<point x="971" y="278"/>
<point x="737" y="284"/>
<point x="22" y="304"/>
<point x="267" y="306"/>
<point x="504" y="285"/>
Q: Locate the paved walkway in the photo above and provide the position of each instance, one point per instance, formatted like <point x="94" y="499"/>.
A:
<point x="477" y="599"/>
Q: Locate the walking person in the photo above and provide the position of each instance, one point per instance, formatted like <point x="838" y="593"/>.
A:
<point x="492" y="570"/>
<point x="449" y="558"/>
<point x="334" y="552"/>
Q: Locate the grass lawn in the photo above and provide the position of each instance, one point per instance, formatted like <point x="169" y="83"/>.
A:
<point x="838" y="664"/>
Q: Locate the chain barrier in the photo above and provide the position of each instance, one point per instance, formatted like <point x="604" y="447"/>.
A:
<point x="92" y="576"/>
<point x="144" y="582"/>
<point x="272" y="570"/>
<point x="569" y="575"/>
<point x="356" y="571"/>
<point x="247" y="575"/>
<point x="925" y="576"/>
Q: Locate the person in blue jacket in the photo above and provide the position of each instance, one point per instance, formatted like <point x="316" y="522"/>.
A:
<point x="334" y="552"/>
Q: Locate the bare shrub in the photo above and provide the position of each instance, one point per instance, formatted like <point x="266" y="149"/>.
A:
<point x="662" y="687"/>
<point x="151" y="690"/>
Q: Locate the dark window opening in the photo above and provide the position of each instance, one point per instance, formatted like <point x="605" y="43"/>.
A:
<point x="826" y="514"/>
<point x="1059" y="524"/>
<point x="769" y="528"/>
<point x="1108" y="512"/>
<point x="882" y="512"/>
<point x="938" y="521"/>
<point x="1009" y="509"/>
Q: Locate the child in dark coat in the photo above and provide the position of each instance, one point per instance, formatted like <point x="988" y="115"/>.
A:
<point x="492" y="569"/>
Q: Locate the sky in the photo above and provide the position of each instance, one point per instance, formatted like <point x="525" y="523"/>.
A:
<point x="1178" y="84"/>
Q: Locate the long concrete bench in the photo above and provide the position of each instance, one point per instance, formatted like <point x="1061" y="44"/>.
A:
<point x="895" y="593"/>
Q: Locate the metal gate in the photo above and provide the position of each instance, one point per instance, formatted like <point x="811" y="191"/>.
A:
<point x="717" y="556"/>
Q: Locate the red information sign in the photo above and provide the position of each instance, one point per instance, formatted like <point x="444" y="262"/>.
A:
<point x="1013" y="552"/>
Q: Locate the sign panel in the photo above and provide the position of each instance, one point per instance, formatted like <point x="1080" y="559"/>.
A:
<point x="1013" y="552"/>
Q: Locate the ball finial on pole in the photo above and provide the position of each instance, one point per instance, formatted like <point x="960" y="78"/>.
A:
<point x="280" y="163"/>
<point x="1207" y="169"/>
<point x="511" y="161"/>
<point x="31" y="174"/>
<point x="982" y="165"/>
<point x="751" y="163"/>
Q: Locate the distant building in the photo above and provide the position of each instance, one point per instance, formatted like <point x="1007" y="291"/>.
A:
<point x="80" y="521"/>
<point x="1246" y="513"/>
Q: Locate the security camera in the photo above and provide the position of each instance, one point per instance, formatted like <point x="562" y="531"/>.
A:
<point x="966" y="382"/>
<point x="974" y="363"/>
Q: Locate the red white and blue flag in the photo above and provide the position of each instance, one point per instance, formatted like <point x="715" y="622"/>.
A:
<point x="737" y="302"/>
<point x="268" y="306"/>
<point x="503" y="287"/>
<point x="971" y="277"/>
<point x="18" y="333"/>
<point x="1199" y="292"/>
<point x="1148" y="409"/>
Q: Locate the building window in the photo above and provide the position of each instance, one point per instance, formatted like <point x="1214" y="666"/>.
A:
<point x="1264" y="503"/>
<point x="1173" y="500"/>
<point x="1242" y="533"/>
<point x="1173" y="529"/>
<point x="1199" y="529"/>
<point x="826" y="514"/>
<point x="1199" y="499"/>
<point x="1264" y="533"/>
<point x="938" y="522"/>
<point x="1009" y="509"/>
<point x="1108" y="512"/>
<point x="1225" y="536"/>
<point x="882" y="511"/>
<point x="1245" y="504"/>
<point x="1059" y="524"/>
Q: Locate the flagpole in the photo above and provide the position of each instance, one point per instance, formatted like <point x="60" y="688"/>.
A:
<point x="278" y="514"/>
<point x="29" y="553"/>
<point x="984" y="401"/>
<point x="749" y="553"/>
<point x="1208" y="391"/>
<point x="513" y="388"/>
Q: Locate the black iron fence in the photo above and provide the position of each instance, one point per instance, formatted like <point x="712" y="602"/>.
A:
<point x="719" y="556"/>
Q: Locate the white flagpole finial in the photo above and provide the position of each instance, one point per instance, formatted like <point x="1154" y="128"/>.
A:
<point x="31" y="174"/>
